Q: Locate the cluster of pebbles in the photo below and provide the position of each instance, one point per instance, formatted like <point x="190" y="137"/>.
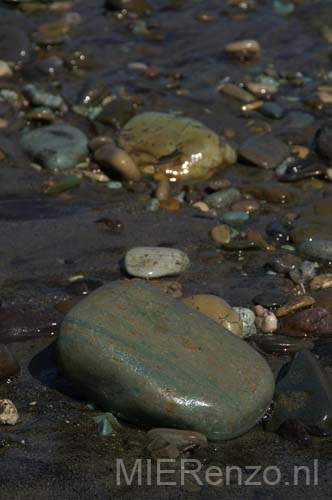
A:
<point x="235" y="137"/>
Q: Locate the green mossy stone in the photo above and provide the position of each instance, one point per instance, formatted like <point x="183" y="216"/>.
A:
<point x="155" y="362"/>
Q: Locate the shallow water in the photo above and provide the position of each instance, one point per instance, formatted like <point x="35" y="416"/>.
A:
<point x="55" y="451"/>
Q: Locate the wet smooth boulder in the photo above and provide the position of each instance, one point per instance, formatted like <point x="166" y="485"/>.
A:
<point x="56" y="146"/>
<point x="178" y="146"/>
<point x="155" y="362"/>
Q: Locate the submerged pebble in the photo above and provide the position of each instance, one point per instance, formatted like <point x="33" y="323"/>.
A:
<point x="155" y="262"/>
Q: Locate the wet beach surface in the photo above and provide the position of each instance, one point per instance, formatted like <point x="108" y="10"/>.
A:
<point x="51" y="240"/>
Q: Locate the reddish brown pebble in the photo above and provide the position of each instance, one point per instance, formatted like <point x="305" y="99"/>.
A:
<point x="313" y="322"/>
<point x="300" y="302"/>
<point x="170" y="204"/>
<point x="257" y="238"/>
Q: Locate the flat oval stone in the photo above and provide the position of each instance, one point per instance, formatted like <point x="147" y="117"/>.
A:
<point x="154" y="262"/>
<point x="155" y="362"/>
<point x="223" y="198"/>
<point x="264" y="151"/>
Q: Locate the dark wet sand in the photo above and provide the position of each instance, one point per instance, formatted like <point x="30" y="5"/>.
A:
<point x="55" y="451"/>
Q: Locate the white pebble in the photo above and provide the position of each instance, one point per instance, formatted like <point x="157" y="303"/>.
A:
<point x="155" y="262"/>
<point x="8" y="412"/>
<point x="266" y="321"/>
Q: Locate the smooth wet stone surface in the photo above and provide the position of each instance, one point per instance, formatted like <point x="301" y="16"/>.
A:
<point x="313" y="322"/>
<point x="56" y="146"/>
<point x="283" y="264"/>
<point x="180" y="147"/>
<point x="243" y="49"/>
<point x="304" y="392"/>
<point x="223" y="198"/>
<point x="294" y="304"/>
<point x="302" y="170"/>
<point x="272" y="110"/>
<point x="9" y="367"/>
<point x="274" y="193"/>
<point x="217" y="309"/>
<point x="264" y="151"/>
<point x="200" y="376"/>
<point x="25" y="321"/>
<point x="155" y="262"/>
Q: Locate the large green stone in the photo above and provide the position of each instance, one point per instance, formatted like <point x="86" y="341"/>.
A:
<point x="153" y="361"/>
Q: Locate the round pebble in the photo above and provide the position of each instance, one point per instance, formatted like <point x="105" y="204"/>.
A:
<point x="221" y="233"/>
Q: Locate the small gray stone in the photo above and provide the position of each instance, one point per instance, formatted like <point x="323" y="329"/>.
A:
<point x="155" y="262"/>
<point x="264" y="151"/>
<point x="56" y="146"/>
<point x="223" y="198"/>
